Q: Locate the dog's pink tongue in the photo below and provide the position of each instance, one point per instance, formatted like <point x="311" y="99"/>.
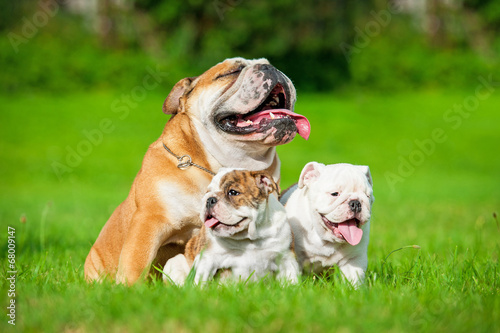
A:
<point x="211" y="222"/>
<point x="302" y="123"/>
<point x="351" y="232"/>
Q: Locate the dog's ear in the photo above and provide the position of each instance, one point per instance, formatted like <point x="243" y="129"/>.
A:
<point x="366" y="170"/>
<point x="172" y="103"/>
<point x="266" y="182"/>
<point x="310" y="172"/>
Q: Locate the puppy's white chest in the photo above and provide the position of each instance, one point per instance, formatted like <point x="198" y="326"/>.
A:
<point x="256" y="263"/>
<point x="316" y="262"/>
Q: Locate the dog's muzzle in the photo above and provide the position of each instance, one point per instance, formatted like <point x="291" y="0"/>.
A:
<point x="274" y="113"/>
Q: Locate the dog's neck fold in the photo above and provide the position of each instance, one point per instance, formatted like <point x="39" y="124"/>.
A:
<point x="222" y="153"/>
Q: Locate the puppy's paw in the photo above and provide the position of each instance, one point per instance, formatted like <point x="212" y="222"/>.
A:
<point x="355" y="275"/>
<point x="176" y="270"/>
<point x="289" y="270"/>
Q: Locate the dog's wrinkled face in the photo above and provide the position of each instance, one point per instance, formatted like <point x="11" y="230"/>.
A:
<point x="341" y="196"/>
<point x="241" y="100"/>
<point x="236" y="201"/>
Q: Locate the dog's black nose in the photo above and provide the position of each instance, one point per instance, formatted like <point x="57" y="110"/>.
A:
<point x="355" y="206"/>
<point x="263" y="67"/>
<point x="211" y="202"/>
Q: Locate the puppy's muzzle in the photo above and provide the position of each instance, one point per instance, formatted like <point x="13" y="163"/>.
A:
<point x="355" y="206"/>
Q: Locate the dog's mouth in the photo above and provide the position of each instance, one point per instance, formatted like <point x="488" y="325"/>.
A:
<point x="274" y="111"/>
<point x="348" y="230"/>
<point x="213" y="223"/>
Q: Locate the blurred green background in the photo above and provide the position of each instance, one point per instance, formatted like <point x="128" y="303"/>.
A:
<point x="322" y="45"/>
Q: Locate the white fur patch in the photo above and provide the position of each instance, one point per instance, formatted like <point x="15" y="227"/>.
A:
<point x="176" y="270"/>
<point x="326" y="190"/>
<point x="179" y="203"/>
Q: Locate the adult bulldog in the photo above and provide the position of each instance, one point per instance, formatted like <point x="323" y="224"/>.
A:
<point x="233" y="115"/>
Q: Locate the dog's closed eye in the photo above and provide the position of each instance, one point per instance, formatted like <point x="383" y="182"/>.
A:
<point x="236" y="70"/>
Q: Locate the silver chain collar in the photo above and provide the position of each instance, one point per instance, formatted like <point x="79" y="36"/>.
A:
<point x="185" y="161"/>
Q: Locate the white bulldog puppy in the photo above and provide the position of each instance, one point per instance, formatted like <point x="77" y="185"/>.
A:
<point x="329" y="211"/>
<point x="245" y="236"/>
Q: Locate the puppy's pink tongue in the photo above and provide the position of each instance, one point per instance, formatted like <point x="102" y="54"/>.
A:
<point x="211" y="222"/>
<point x="351" y="232"/>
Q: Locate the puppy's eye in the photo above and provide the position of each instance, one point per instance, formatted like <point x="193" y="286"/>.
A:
<point x="233" y="193"/>
<point x="335" y="194"/>
<point x="236" y="70"/>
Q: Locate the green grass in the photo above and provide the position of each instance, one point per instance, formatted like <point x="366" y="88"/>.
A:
<point x="445" y="206"/>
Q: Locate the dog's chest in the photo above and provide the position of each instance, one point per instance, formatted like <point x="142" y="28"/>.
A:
<point x="178" y="202"/>
<point x="315" y="258"/>
<point x="318" y="263"/>
<point x="258" y="262"/>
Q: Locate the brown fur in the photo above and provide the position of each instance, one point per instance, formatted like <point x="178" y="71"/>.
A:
<point x="140" y="232"/>
<point x="136" y="232"/>
<point x="195" y="245"/>
<point x="245" y="182"/>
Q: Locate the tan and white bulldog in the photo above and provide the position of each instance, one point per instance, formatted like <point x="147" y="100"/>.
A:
<point x="246" y="234"/>
<point x="329" y="211"/>
<point x="233" y="115"/>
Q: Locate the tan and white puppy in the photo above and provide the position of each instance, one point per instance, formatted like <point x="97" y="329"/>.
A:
<point x="245" y="232"/>
<point x="233" y="115"/>
<point x="329" y="211"/>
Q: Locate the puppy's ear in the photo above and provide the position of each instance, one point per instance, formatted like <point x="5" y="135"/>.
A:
<point x="266" y="182"/>
<point x="309" y="173"/>
<point x="366" y="170"/>
<point x="172" y="103"/>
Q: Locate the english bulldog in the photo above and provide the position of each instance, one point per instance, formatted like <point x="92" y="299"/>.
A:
<point x="233" y="115"/>
<point x="329" y="211"/>
<point x="245" y="235"/>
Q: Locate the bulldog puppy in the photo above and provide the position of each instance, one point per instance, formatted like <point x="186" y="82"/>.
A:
<point x="233" y="115"/>
<point x="329" y="211"/>
<point x="245" y="234"/>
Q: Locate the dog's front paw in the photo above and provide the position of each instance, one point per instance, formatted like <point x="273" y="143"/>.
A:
<point x="204" y="270"/>
<point x="355" y="275"/>
<point x="289" y="270"/>
<point x="176" y="270"/>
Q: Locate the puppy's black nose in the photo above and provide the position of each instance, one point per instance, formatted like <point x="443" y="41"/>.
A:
<point x="211" y="202"/>
<point x="355" y="206"/>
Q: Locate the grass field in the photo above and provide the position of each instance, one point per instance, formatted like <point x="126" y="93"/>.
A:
<point x="436" y="184"/>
